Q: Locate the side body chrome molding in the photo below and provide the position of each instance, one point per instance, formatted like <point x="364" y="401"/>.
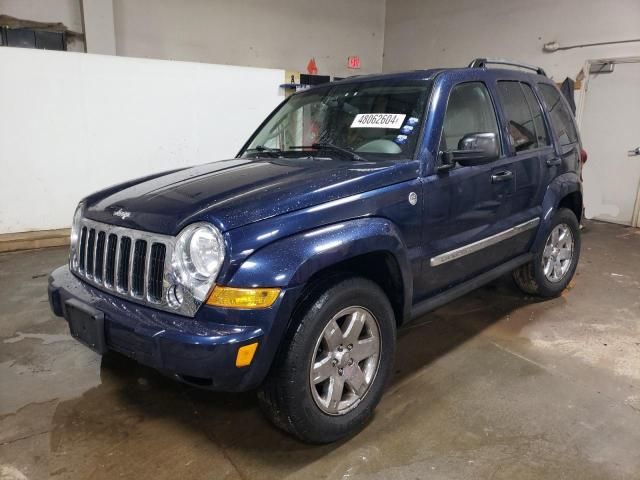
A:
<point x="484" y="243"/>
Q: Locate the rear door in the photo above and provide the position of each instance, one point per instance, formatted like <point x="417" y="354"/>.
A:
<point x="531" y="154"/>
<point x="566" y="136"/>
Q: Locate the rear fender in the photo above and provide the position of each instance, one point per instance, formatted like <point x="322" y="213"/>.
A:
<point x="559" y="188"/>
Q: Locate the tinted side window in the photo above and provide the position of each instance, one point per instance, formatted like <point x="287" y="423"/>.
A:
<point x="469" y="110"/>
<point x="525" y="118"/>
<point x="559" y="114"/>
<point x="536" y="111"/>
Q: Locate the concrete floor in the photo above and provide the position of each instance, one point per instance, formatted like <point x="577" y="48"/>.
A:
<point x="495" y="385"/>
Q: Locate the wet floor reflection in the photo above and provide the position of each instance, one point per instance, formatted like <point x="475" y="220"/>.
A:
<point x="493" y="385"/>
<point x="137" y="422"/>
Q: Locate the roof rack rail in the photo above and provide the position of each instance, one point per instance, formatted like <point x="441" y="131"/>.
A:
<point x="483" y="62"/>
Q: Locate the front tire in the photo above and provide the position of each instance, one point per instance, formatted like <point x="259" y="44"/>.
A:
<point x="333" y="368"/>
<point x="553" y="267"/>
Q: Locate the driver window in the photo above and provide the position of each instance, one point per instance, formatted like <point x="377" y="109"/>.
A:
<point x="469" y="110"/>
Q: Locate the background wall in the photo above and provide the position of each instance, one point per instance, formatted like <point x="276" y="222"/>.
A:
<point x="431" y="33"/>
<point x="74" y="123"/>
<point x="62" y="11"/>
<point x="272" y="34"/>
<point x="275" y="33"/>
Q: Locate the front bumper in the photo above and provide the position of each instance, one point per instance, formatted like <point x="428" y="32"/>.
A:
<point x="200" y="350"/>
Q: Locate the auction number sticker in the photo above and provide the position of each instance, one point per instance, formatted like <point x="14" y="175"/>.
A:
<point x="378" y="120"/>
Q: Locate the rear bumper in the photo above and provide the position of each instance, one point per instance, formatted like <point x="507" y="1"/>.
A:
<point x="200" y="350"/>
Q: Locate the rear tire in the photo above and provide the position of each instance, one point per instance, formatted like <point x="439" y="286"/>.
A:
<point x="329" y="376"/>
<point x="553" y="267"/>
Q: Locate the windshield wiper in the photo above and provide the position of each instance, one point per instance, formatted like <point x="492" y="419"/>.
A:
<point x="330" y="146"/>
<point x="262" y="148"/>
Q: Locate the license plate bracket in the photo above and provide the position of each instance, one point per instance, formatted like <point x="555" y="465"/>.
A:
<point x="86" y="325"/>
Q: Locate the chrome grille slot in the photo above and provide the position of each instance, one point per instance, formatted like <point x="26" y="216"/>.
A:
<point x="99" y="271"/>
<point x="156" y="271"/>
<point x="83" y="248"/>
<point x="91" y="251"/>
<point x="110" y="264"/>
<point x="138" y="268"/>
<point x="125" y="262"/>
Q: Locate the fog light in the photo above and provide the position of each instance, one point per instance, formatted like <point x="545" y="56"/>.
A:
<point x="245" y="355"/>
<point x="228" y="297"/>
<point x="175" y="296"/>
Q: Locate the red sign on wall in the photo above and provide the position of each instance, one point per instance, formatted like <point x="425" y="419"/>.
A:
<point x="312" y="68"/>
<point x="353" y="62"/>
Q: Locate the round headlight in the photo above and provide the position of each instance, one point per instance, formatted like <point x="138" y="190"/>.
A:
<point x="204" y="252"/>
<point x="199" y="252"/>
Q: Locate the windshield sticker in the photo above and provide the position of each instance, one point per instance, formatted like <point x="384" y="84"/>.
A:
<point x="378" y="120"/>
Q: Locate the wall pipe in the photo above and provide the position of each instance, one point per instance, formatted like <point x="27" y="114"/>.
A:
<point x="554" y="46"/>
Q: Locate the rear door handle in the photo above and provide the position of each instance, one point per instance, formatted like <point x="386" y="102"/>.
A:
<point x="552" y="162"/>
<point x="634" y="152"/>
<point x="503" y="176"/>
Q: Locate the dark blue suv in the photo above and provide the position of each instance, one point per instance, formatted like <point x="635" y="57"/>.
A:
<point x="355" y="207"/>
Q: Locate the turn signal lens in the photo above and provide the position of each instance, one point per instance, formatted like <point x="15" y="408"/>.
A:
<point x="245" y="355"/>
<point x="228" y="297"/>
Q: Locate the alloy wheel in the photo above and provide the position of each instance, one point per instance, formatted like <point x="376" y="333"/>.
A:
<point x="345" y="360"/>
<point x="558" y="253"/>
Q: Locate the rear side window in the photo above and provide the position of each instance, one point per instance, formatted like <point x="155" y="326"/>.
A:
<point x="524" y="116"/>
<point x="559" y="114"/>
<point x="536" y="112"/>
<point x="469" y="110"/>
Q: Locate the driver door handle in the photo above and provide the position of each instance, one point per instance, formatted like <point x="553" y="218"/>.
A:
<point x="503" y="176"/>
<point x="634" y="152"/>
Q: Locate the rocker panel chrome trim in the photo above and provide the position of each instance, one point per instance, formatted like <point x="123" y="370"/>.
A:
<point x="484" y="243"/>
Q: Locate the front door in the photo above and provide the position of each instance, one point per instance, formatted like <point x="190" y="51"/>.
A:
<point x="610" y="134"/>
<point x="462" y="204"/>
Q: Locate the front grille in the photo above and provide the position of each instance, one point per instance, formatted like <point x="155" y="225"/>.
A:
<point x="127" y="262"/>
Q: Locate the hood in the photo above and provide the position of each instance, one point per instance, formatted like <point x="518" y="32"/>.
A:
<point x="236" y="192"/>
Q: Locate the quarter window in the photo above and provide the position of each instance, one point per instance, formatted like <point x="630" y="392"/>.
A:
<point x="560" y="116"/>
<point x="524" y="116"/>
<point x="469" y="110"/>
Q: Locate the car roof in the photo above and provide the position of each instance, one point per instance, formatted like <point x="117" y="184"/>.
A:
<point x="410" y="75"/>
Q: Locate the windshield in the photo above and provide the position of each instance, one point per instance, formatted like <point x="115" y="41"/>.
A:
<point x="373" y="119"/>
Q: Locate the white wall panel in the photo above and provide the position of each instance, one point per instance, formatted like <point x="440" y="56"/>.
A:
<point x="431" y="33"/>
<point x="73" y="123"/>
<point x="272" y="34"/>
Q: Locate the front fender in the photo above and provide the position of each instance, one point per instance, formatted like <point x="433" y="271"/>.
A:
<point x="293" y="260"/>
<point x="560" y="187"/>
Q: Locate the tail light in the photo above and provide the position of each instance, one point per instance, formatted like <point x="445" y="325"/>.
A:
<point x="583" y="155"/>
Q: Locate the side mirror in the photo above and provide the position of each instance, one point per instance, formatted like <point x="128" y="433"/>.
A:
<point x="473" y="149"/>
